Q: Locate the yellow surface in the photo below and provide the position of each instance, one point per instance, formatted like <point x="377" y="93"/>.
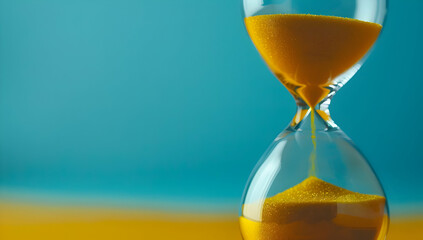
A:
<point x="24" y="222"/>
<point x="306" y="52"/>
<point x="315" y="210"/>
<point x="406" y="228"/>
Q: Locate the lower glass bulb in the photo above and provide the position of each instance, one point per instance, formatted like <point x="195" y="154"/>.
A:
<point x="312" y="183"/>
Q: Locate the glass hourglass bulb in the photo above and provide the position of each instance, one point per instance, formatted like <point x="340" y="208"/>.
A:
<point x="313" y="183"/>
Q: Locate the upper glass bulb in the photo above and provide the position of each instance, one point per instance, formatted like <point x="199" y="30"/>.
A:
<point x="314" y="46"/>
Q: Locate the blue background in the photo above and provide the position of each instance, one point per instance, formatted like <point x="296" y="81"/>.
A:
<point x="136" y="101"/>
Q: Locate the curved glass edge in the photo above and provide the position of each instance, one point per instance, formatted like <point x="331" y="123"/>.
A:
<point x="366" y="10"/>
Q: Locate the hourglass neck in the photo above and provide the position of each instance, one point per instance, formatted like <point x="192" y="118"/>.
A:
<point x="317" y="117"/>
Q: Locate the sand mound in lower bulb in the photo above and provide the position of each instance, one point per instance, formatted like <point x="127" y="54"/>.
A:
<point x="315" y="210"/>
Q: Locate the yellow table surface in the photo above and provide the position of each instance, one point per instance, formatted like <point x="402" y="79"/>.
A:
<point x="19" y="221"/>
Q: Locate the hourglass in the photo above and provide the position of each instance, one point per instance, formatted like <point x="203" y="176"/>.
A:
<point x="312" y="183"/>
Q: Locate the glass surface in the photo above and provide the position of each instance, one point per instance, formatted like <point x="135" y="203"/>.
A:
<point x="312" y="182"/>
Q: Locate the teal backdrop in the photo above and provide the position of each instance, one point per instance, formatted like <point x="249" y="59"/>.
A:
<point x="168" y="102"/>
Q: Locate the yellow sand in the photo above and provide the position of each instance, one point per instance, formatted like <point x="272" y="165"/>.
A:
<point x="316" y="210"/>
<point x="35" y="222"/>
<point x="313" y="155"/>
<point x="307" y="52"/>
